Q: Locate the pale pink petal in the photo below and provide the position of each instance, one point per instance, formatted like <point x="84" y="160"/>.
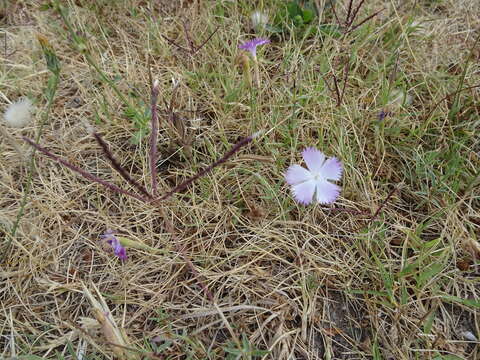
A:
<point x="303" y="192"/>
<point x="326" y="192"/>
<point x="297" y="174"/>
<point x="314" y="159"/>
<point x="332" y="169"/>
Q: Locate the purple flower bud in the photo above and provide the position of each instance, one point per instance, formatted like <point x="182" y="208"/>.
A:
<point x="111" y="240"/>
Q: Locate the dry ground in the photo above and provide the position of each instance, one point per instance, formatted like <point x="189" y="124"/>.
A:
<point x="297" y="282"/>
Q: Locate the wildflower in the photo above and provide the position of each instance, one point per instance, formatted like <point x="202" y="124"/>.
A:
<point x="251" y="45"/>
<point x="118" y="249"/>
<point x="313" y="184"/>
<point x="18" y="114"/>
<point x="258" y="19"/>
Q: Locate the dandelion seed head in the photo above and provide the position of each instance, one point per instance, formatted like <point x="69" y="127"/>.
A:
<point x="258" y="19"/>
<point x="19" y="114"/>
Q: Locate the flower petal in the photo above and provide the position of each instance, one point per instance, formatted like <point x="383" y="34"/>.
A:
<point x="252" y="45"/>
<point x="314" y="159"/>
<point x="120" y="252"/>
<point x="304" y="191"/>
<point x="332" y="169"/>
<point x="297" y="174"/>
<point x="326" y="192"/>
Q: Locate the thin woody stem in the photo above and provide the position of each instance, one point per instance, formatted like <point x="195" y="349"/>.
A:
<point x="354" y="14"/>
<point x="82" y="172"/>
<point x="337" y="90"/>
<point x="382" y="205"/>
<point x="201" y="173"/>
<point x="349" y="11"/>
<point x="345" y="79"/>
<point x="365" y="20"/>
<point x="116" y="165"/>
<point x="206" y="41"/>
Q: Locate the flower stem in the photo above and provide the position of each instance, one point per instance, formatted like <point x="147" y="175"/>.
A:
<point x="201" y="173"/>
<point x="153" y="138"/>
<point x="82" y="172"/>
<point x="50" y="92"/>
<point x="256" y="72"/>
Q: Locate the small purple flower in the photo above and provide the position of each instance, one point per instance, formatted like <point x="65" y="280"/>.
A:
<point x="314" y="181"/>
<point x="252" y="45"/>
<point x="118" y="249"/>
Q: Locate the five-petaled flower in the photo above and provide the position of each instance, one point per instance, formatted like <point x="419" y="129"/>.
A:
<point x="251" y="45"/>
<point x="118" y="249"/>
<point x="312" y="184"/>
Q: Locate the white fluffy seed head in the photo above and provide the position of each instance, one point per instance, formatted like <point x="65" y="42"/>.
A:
<point x="259" y="19"/>
<point x="19" y="114"/>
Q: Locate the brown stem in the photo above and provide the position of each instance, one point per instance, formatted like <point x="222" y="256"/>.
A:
<point x="350" y="21"/>
<point x="349" y="11"/>
<point x="174" y="43"/>
<point x="206" y="41"/>
<point x="365" y="20"/>
<point x="116" y="165"/>
<point x="335" y="14"/>
<point x="382" y="205"/>
<point x="186" y="29"/>
<point x="82" y="172"/>
<point x="201" y="173"/>
<point x="345" y="79"/>
<point x="337" y="90"/>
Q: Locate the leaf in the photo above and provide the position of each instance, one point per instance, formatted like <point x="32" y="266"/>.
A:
<point x="139" y="245"/>
<point x="427" y="326"/>
<point x="430" y="272"/>
<point x="307" y="16"/>
<point x="274" y="29"/>
<point x="294" y="10"/>
<point x="51" y="58"/>
<point x="409" y="269"/>
<point x="466" y="302"/>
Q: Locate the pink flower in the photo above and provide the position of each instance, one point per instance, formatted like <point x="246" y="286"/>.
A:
<point x="118" y="249"/>
<point x="252" y="45"/>
<point x="312" y="184"/>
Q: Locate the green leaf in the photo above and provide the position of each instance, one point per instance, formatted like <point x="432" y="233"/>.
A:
<point x="274" y="29"/>
<point x="51" y="58"/>
<point x="427" y="326"/>
<point x="466" y="302"/>
<point x="307" y="16"/>
<point x="294" y="10"/>
<point x="430" y="272"/>
<point x="409" y="269"/>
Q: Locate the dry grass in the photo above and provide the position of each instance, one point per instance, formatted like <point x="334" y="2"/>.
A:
<point x="300" y="282"/>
